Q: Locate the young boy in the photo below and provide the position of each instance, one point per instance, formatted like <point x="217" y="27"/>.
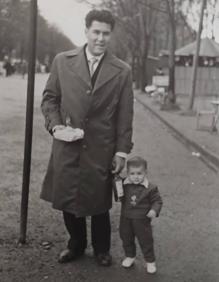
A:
<point x="141" y="202"/>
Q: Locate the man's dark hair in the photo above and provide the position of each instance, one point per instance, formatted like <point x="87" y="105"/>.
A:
<point x="103" y="16"/>
<point x="137" y="162"/>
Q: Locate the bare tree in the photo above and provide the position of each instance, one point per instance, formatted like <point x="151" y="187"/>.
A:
<point x="210" y="16"/>
<point x="195" y="60"/>
<point x="176" y="19"/>
<point x="170" y="4"/>
<point x="137" y="18"/>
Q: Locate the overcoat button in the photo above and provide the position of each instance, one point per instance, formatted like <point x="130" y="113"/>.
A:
<point x="88" y="92"/>
<point x="84" y="146"/>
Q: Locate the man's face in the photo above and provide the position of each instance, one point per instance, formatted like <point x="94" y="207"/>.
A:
<point x="136" y="174"/>
<point x="98" y="37"/>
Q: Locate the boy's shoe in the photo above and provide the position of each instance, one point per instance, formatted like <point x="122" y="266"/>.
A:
<point x="128" y="262"/>
<point x="151" y="267"/>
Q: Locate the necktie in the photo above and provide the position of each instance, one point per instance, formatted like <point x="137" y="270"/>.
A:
<point x="92" y="65"/>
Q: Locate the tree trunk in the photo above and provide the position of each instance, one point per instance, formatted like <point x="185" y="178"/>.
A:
<point x="143" y="81"/>
<point x="196" y="57"/>
<point x="143" y="65"/>
<point x="171" y="88"/>
<point x="134" y="71"/>
<point x="138" y="72"/>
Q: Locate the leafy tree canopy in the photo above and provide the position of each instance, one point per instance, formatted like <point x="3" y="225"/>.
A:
<point x="14" y="28"/>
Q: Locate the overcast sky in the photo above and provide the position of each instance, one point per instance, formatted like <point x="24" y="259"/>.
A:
<point x="68" y="16"/>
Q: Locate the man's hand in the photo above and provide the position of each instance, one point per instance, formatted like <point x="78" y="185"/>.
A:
<point x="151" y="214"/>
<point x="118" y="164"/>
<point x="68" y="134"/>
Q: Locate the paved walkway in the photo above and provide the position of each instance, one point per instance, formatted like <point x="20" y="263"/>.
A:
<point x="202" y="141"/>
<point x="187" y="222"/>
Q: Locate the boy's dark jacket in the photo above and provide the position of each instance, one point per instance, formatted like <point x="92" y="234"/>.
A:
<point x="138" y="199"/>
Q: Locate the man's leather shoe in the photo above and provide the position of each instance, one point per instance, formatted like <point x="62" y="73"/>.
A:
<point x="68" y="255"/>
<point x="104" y="259"/>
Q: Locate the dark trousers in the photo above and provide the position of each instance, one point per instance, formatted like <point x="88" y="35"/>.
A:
<point x="100" y="232"/>
<point x="142" y="230"/>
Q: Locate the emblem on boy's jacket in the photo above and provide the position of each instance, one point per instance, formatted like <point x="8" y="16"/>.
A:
<point x="133" y="200"/>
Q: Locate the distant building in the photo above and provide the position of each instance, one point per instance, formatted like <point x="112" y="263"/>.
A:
<point x="208" y="70"/>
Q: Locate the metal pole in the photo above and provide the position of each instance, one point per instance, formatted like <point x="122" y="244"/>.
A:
<point x="29" y="121"/>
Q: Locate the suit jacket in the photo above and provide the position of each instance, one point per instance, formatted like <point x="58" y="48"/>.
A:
<point x="138" y="200"/>
<point x="78" y="179"/>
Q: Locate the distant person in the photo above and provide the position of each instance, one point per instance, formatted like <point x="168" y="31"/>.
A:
<point x="88" y="108"/>
<point x="23" y="68"/>
<point x="8" y="67"/>
<point x="47" y="68"/>
<point x="140" y="204"/>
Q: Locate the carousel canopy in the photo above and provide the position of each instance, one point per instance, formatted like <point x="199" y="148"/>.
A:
<point x="208" y="48"/>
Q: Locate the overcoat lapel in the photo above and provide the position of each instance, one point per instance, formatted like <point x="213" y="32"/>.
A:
<point x="108" y="70"/>
<point x="78" y="65"/>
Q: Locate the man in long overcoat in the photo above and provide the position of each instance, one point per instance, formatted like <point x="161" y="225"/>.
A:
<point x="91" y="90"/>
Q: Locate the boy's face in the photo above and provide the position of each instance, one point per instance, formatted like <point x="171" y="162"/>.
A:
<point x="136" y="174"/>
<point x="98" y="37"/>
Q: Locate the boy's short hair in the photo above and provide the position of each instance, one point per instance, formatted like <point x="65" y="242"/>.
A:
<point x="103" y="16"/>
<point x="137" y="162"/>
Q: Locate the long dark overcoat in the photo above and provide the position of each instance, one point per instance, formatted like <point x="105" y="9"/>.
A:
<point x="78" y="179"/>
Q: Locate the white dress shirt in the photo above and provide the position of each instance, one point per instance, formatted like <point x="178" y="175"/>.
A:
<point x="90" y="59"/>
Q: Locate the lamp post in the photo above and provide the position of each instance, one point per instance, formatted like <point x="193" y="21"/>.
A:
<point x="29" y="121"/>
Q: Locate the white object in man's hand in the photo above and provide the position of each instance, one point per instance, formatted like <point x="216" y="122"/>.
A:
<point x="68" y="133"/>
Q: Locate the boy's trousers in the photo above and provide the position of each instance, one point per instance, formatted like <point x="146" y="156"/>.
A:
<point x="142" y="230"/>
